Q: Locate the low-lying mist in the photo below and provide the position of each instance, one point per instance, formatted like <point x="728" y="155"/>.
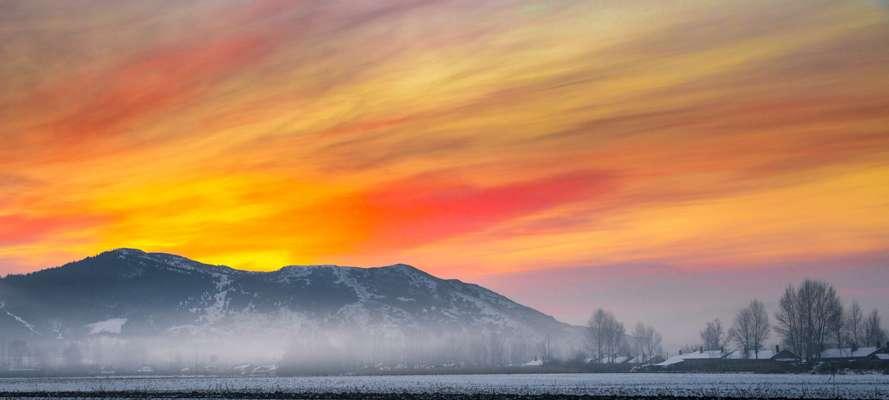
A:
<point x="298" y="349"/>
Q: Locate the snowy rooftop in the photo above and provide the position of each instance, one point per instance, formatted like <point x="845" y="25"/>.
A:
<point x="752" y="355"/>
<point x="640" y="360"/>
<point x="697" y="355"/>
<point x="848" y="352"/>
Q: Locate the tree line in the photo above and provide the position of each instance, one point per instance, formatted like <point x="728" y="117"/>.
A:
<point x="608" y="339"/>
<point x="810" y="318"/>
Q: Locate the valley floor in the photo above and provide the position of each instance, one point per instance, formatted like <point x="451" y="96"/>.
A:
<point x="350" y="396"/>
<point x="453" y="387"/>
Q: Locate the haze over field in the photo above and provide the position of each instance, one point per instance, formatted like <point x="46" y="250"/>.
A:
<point x="638" y="156"/>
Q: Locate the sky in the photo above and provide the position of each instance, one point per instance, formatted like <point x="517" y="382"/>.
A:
<point x="629" y="155"/>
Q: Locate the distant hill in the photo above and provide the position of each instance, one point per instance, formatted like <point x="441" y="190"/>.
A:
<point x="131" y="293"/>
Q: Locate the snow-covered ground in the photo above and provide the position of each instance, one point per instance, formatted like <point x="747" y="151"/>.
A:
<point x="691" y="385"/>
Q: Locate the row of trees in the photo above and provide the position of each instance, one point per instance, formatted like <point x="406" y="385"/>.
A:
<point x="608" y="339"/>
<point x="751" y="328"/>
<point x="854" y="327"/>
<point x="748" y="333"/>
<point x="810" y="318"/>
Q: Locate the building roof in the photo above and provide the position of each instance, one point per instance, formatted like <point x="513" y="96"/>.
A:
<point x="697" y="355"/>
<point x="732" y="355"/>
<point x="752" y="355"/>
<point x="848" y="352"/>
<point x="620" y="359"/>
<point x="609" y="360"/>
<point x="642" y="360"/>
<point x="785" y="355"/>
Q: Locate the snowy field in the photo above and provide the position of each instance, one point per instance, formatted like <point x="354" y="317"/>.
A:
<point x="620" y="385"/>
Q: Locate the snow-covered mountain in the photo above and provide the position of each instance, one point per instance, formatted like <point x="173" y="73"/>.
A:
<point x="130" y="293"/>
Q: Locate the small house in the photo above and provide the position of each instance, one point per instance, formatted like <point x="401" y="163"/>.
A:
<point x="695" y="357"/>
<point x="785" y="356"/>
<point x="772" y="355"/>
<point x="641" y="360"/>
<point x="849" y="353"/>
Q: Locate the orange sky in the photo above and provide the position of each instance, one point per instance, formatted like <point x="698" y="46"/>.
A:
<point x="468" y="138"/>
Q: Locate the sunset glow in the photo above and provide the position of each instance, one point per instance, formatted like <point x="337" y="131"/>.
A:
<point x="471" y="140"/>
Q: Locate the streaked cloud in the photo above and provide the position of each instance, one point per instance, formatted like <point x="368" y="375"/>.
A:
<point x="469" y="138"/>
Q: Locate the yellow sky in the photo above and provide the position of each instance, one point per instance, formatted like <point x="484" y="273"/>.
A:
<point x="467" y="138"/>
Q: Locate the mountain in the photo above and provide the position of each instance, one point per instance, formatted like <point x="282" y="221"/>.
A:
<point x="131" y="293"/>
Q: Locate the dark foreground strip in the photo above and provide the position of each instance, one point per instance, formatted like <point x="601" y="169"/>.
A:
<point x="324" y="396"/>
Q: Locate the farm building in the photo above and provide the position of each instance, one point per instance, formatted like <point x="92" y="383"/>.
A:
<point x="731" y="361"/>
<point x="849" y="353"/>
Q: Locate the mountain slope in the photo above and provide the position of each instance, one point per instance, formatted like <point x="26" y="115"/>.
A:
<point x="131" y="293"/>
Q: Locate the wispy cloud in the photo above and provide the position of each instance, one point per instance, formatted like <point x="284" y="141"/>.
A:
<point x="468" y="138"/>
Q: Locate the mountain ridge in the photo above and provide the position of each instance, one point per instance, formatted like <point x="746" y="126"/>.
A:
<point x="133" y="251"/>
<point x="159" y="293"/>
<point x="125" y="307"/>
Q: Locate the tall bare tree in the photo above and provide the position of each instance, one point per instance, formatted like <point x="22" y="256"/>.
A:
<point x="646" y="341"/>
<point x="615" y="338"/>
<point x="607" y="335"/>
<point x="874" y="334"/>
<point x="751" y="329"/>
<point x="854" y="325"/>
<point x="713" y="335"/>
<point x="837" y="327"/>
<point x="804" y="316"/>
<point x="596" y="330"/>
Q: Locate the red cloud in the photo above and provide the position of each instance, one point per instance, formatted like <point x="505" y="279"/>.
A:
<point x="18" y="229"/>
<point x="424" y="209"/>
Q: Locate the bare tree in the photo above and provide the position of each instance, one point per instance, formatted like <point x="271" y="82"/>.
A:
<point x="615" y="337"/>
<point x="637" y="338"/>
<point x="751" y="328"/>
<point x="789" y="319"/>
<point x="596" y="329"/>
<point x="804" y="316"/>
<point x="646" y="341"/>
<point x="837" y="327"/>
<point x="607" y="336"/>
<point x="624" y="346"/>
<point x="874" y="334"/>
<point x="833" y="310"/>
<point x="655" y="345"/>
<point x="854" y="325"/>
<point x="713" y="335"/>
